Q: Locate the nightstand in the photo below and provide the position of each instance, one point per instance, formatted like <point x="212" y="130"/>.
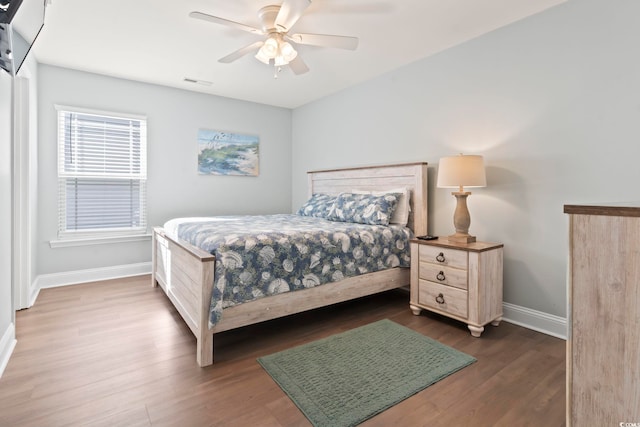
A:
<point x="458" y="280"/>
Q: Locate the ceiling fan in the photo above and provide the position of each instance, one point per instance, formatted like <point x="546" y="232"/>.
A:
<point x="276" y="22"/>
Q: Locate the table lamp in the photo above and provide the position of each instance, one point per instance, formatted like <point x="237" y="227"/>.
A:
<point x="459" y="172"/>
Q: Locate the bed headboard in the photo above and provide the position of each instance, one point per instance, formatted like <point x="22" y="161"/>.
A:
<point x="384" y="177"/>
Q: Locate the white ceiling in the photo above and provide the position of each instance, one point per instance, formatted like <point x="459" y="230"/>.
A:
<point x="155" y="41"/>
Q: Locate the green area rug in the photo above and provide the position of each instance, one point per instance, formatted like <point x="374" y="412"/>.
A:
<point x="347" y="378"/>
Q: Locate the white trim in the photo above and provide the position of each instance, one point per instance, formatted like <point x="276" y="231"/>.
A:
<point x="21" y="193"/>
<point x="55" y="280"/>
<point x="95" y="112"/>
<point x="7" y="344"/>
<point x="65" y="243"/>
<point x="536" y="320"/>
<point x="35" y="291"/>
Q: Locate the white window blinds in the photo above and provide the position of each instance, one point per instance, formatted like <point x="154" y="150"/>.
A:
<point x="102" y="172"/>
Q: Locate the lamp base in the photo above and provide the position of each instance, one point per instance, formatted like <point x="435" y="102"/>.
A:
<point x="461" y="219"/>
<point x="461" y="238"/>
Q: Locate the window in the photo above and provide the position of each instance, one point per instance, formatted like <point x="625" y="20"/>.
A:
<point x="102" y="173"/>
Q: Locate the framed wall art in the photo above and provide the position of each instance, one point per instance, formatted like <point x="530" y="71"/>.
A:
<point x="227" y="153"/>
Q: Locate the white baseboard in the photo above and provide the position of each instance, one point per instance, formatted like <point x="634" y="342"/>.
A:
<point x="54" y="280"/>
<point x="536" y="320"/>
<point x="7" y="344"/>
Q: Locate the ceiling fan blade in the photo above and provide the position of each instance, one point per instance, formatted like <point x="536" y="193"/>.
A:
<point x="222" y="21"/>
<point x="290" y="12"/>
<point x="241" y="52"/>
<point x="298" y="66"/>
<point x="325" y="40"/>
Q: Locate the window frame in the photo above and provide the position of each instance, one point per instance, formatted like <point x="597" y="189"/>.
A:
<point x="66" y="237"/>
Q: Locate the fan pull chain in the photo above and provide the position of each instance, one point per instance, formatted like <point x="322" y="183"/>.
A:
<point x="277" y="70"/>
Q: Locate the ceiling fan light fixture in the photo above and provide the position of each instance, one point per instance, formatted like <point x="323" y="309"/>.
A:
<point x="276" y="48"/>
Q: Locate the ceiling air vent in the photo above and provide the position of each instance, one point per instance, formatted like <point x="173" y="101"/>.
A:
<point x="196" y="81"/>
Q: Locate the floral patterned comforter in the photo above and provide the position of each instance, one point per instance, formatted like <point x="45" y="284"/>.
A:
<point x="259" y="256"/>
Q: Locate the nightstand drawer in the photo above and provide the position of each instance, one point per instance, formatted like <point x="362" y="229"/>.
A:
<point x="443" y="275"/>
<point x="443" y="298"/>
<point x="443" y="256"/>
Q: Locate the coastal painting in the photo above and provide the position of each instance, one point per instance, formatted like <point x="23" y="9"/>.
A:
<point x="227" y="153"/>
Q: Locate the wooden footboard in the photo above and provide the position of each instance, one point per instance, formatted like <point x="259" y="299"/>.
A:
<point x="185" y="273"/>
<point x="280" y="305"/>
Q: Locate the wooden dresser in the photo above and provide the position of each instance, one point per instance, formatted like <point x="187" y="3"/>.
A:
<point x="603" y="346"/>
<point x="459" y="280"/>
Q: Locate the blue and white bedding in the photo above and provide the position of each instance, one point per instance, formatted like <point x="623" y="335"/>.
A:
<point x="258" y="256"/>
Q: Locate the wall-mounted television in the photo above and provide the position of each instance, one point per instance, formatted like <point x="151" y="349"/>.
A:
<point x="20" y="24"/>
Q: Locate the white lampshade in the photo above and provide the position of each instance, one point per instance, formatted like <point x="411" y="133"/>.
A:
<point x="461" y="171"/>
<point x="288" y="52"/>
<point x="270" y="47"/>
<point x="262" y="56"/>
<point x="280" y="61"/>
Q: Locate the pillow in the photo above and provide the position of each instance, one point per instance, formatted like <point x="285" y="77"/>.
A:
<point x="401" y="214"/>
<point x="364" y="208"/>
<point x="317" y="206"/>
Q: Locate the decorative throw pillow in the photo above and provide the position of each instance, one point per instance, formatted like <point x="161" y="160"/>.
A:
<point x="401" y="213"/>
<point x="364" y="208"/>
<point x="317" y="206"/>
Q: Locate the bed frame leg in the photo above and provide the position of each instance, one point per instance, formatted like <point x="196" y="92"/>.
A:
<point x="204" y="335"/>
<point x="204" y="351"/>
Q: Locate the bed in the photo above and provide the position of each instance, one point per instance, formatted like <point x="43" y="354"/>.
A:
<point x="186" y="272"/>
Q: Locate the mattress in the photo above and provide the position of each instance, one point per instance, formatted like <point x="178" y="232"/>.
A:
<point x="258" y="256"/>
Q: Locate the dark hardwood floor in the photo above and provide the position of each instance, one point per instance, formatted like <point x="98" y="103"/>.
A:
<point x="116" y="353"/>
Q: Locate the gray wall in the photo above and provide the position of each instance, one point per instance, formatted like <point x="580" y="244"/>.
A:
<point x="552" y="102"/>
<point x="174" y="187"/>
<point x="6" y="306"/>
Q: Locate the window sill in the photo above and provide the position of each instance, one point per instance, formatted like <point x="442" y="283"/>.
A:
<point x="86" y="241"/>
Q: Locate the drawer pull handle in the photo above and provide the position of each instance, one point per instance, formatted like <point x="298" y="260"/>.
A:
<point x="440" y="299"/>
<point x="440" y="276"/>
<point x="440" y="257"/>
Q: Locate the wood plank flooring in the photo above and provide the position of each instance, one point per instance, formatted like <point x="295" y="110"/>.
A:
<point x="116" y="353"/>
